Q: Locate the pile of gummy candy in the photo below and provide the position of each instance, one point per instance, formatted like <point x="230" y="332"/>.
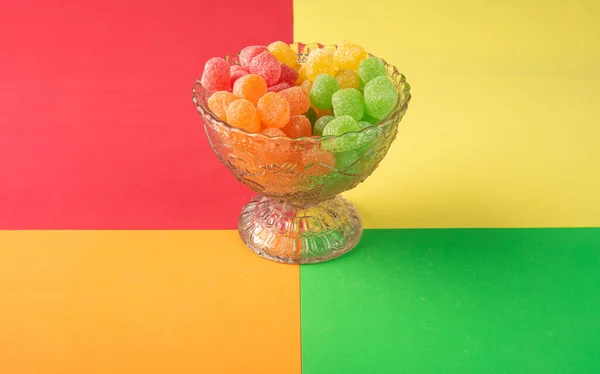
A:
<point x="333" y="93"/>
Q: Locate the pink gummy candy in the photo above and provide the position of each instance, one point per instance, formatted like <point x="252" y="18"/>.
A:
<point x="248" y="53"/>
<point x="216" y="75"/>
<point x="278" y="87"/>
<point x="236" y="72"/>
<point x="288" y="75"/>
<point x="267" y="66"/>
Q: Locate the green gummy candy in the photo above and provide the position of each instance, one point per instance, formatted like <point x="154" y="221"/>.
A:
<point x="380" y="97"/>
<point x="323" y="88"/>
<point x="311" y="115"/>
<point x="320" y="124"/>
<point x="340" y="126"/>
<point x="364" y="124"/>
<point x="370" y="68"/>
<point x="345" y="161"/>
<point x="368" y="118"/>
<point x="348" y="102"/>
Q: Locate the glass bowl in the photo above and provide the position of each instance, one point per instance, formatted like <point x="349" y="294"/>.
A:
<point x="299" y="217"/>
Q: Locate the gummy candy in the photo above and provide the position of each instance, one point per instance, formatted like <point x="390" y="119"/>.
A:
<point x="370" y="68"/>
<point x="236" y="72"/>
<point x="322" y="89"/>
<point x="348" y="101"/>
<point x="319" y="61"/>
<point x="283" y="53"/>
<point x="219" y="101"/>
<point x="369" y="119"/>
<point x="306" y="85"/>
<point x="348" y="79"/>
<point x="274" y="110"/>
<point x="363" y="125"/>
<point x="344" y="161"/>
<point x="298" y="99"/>
<point x="242" y="114"/>
<point x="288" y="75"/>
<point x="278" y="87"/>
<point x="215" y="76"/>
<point x="380" y="97"/>
<point x="340" y="126"/>
<point x="312" y="115"/>
<point x="273" y="132"/>
<point x="321" y="123"/>
<point x="251" y="87"/>
<point x="248" y="53"/>
<point x="301" y="75"/>
<point x="325" y="112"/>
<point x="297" y="127"/>
<point x="349" y="56"/>
<point x="267" y="66"/>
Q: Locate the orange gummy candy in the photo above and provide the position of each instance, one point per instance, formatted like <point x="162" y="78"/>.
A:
<point x="219" y="101"/>
<point x="251" y="87"/>
<point x="242" y="114"/>
<point x="317" y="161"/>
<point x="298" y="127"/>
<point x="274" y="110"/>
<point x="273" y="132"/>
<point x="297" y="98"/>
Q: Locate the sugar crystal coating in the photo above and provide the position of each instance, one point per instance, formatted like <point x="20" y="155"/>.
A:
<point x="273" y="132"/>
<point x="215" y="76"/>
<point x="219" y="101"/>
<point x="288" y="75"/>
<point x="283" y="52"/>
<point x="242" y="114"/>
<point x="323" y="88"/>
<point x="298" y="127"/>
<point x="349" y="56"/>
<point x="298" y="100"/>
<point x="340" y="126"/>
<point x="251" y="87"/>
<point x="321" y="123"/>
<point x="267" y="66"/>
<point x="248" y="53"/>
<point x="235" y="73"/>
<point x="370" y="68"/>
<point x="380" y="97"/>
<point x="274" y="110"/>
<point x="278" y="87"/>
<point x="319" y="61"/>
<point x="348" y="79"/>
<point x="348" y="101"/>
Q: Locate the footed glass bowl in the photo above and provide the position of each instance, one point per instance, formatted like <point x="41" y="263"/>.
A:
<point x="299" y="217"/>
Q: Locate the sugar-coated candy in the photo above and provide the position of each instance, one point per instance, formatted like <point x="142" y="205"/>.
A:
<point x="363" y="125"/>
<point x="251" y="87"/>
<point x="370" y="68"/>
<point x="380" y="97"/>
<point x="319" y="61"/>
<point x="345" y="161"/>
<point x="323" y="87"/>
<point x="369" y="119"/>
<point x="278" y="87"/>
<point x="312" y="115"/>
<point x="267" y="66"/>
<point x="219" y="102"/>
<point x="306" y="85"/>
<point x="321" y="123"/>
<point x="298" y="100"/>
<point x="248" y="53"/>
<point x="273" y="132"/>
<point x="242" y="114"/>
<point x="349" y="56"/>
<point x="283" y="52"/>
<point x="274" y="110"/>
<point x="215" y="76"/>
<point x="298" y="127"/>
<point x="288" y="75"/>
<point x="316" y="161"/>
<point x="301" y="75"/>
<point x="348" y="79"/>
<point x="348" y="102"/>
<point x="340" y="126"/>
<point x="325" y="112"/>
<point x="236" y="72"/>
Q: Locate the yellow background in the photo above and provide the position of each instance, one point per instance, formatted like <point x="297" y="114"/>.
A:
<point x="504" y="126"/>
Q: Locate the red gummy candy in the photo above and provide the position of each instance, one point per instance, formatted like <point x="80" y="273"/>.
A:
<point x="236" y="72"/>
<point x="216" y="75"/>
<point x="288" y="75"/>
<point x="278" y="87"/>
<point x="248" y="53"/>
<point x="267" y="66"/>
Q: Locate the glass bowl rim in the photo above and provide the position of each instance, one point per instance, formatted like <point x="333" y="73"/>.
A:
<point x="198" y="92"/>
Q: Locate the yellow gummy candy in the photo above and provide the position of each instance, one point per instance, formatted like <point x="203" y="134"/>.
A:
<point x="283" y="53"/>
<point x="348" y="56"/>
<point x="348" y="79"/>
<point x="301" y="75"/>
<point x="319" y="61"/>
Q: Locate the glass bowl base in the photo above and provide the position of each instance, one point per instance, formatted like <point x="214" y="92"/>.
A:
<point x="293" y="234"/>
